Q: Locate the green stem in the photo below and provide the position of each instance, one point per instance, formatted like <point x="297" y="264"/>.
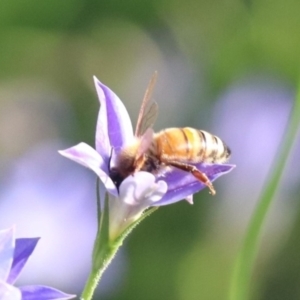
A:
<point x="103" y="251"/>
<point x="240" y="281"/>
<point x="104" y="248"/>
<point x="104" y="259"/>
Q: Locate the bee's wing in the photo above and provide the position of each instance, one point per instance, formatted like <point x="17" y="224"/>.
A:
<point x="145" y="142"/>
<point x="148" y="110"/>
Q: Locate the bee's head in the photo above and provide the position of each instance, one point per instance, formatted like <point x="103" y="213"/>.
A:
<point x="228" y="153"/>
<point x="116" y="177"/>
<point x="123" y="163"/>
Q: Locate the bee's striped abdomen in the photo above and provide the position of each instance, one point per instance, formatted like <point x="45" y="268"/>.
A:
<point x="213" y="148"/>
<point x="190" y="145"/>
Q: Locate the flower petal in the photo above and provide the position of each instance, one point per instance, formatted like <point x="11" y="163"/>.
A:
<point x="90" y="158"/>
<point x="190" y="199"/>
<point x="39" y="292"/>
<point x="114" y="128"/>
<point x="7" y="246"/>
<point x="9" y="292"/>
<point x="182" y="184"/>
<point x="142" y="190"/>
<point x="23" y="249"/>
<point x="137" y="193"/>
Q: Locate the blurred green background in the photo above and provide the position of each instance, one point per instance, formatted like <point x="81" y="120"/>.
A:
<point x="229" y="67"/>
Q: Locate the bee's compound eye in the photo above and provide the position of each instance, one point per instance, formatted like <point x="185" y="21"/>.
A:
<point x="228" y="152"/>
<point x="115" y="176"/>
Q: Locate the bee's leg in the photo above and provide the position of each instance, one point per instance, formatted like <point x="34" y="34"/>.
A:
<point x="195" y="172"/>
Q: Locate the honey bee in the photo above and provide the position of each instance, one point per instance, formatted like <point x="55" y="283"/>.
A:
<point x="170" y="148"/>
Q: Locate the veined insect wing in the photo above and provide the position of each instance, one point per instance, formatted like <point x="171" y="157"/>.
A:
<point x="145" y="142"/>
<point x="148" y="111"/>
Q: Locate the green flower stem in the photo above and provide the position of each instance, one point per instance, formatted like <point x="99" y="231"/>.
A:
<point x="104" y="259"/>
<point x="104" y="248"/>
<point x="104" y="251"/>
<point x="240" y="281"/>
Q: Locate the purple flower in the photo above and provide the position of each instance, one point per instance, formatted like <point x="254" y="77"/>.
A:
<point x="14" y="253"/>
<point x="113" y="131"/>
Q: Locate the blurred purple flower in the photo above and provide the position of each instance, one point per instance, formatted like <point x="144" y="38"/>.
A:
<point x="114" y="130"/>
<point x="14" y="253"/>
